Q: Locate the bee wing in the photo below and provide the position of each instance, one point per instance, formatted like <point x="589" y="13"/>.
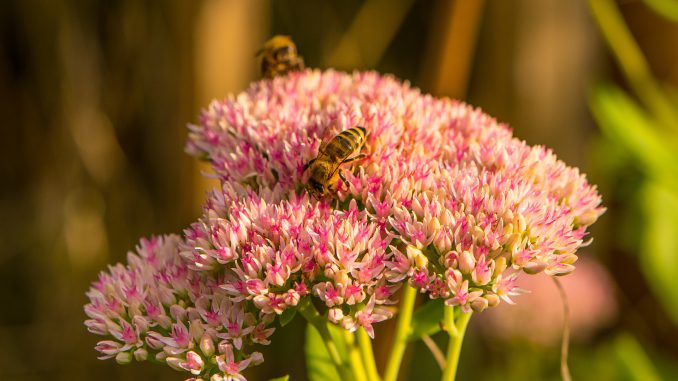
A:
<point x="321" y="149"/>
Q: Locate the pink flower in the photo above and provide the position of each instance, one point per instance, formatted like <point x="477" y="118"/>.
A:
<point x="231" y="369"/>
<point x="440" y="177"/>
<point x="590" y="294"/>
<point x="157" y="308"/>
<point x="445" y="199"/>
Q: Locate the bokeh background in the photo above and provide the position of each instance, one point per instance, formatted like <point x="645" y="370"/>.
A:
<point x="95" y="97"/>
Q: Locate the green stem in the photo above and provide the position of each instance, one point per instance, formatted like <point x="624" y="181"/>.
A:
<point x="308" y="311"/>
<point x="631" y="59"/>
<point x="365" y="345"/>
<point x="402" y="331"/>
<point x="454" y="347"/>
<point x="448" y="321"/>
<point x="354" y="357"/>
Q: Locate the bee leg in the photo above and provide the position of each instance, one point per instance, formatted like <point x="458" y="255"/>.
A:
<point x="354" y="158"/>
<point x="308" y="164"/>
<point x="341" y="176"/>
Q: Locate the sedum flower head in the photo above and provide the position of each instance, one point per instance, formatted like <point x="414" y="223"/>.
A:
<point x="446" y="199"/>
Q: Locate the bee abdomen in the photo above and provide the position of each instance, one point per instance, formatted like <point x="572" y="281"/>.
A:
<point x="346" y="143"/>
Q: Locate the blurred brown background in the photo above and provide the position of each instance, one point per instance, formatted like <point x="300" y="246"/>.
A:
<point x="95" y="97"/>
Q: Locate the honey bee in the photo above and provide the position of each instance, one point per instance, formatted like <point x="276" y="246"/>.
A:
<point x="279" y="56"/>
<point x="325" y="169"/>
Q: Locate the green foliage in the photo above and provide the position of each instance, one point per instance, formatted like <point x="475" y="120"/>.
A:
<point x="287" y="316"/>
<point x="623" y="121"/>
<point x="654" y="151"/>
<point x="659" y="249"/>
<point x="318" y="363"/>
<point x="633" y="360"/>
<point x="427" y="319"/>
<point x="648" y="134"/>
<point x="665" y="8"/>
<point x="281" y="378"/>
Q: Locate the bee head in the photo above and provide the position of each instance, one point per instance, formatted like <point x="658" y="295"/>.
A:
<point x="316" y="188"/>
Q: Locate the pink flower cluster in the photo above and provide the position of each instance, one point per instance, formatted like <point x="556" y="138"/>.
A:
<point x="156" y="308"/>
<point x="275" y="247"/>
<point x="445" y="199"/>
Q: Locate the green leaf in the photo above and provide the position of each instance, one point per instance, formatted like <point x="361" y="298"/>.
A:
<point x="287" y="316"/>
<point x="634" y="360"/>
<point x="426" y="319"/>
<point x="665" y="8"/>
<point x="318" y="363"/>
<point x="622" y="120"/>
<point x="281" y="378"/>
<point x="659" y="248"/>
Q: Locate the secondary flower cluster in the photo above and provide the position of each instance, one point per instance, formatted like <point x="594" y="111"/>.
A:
<point x="156" y="308"/>
<point x="445" y="199"/>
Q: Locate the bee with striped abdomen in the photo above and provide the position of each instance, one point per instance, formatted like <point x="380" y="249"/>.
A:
<point x="325" y="169"/>
<point x="279" y="56"/>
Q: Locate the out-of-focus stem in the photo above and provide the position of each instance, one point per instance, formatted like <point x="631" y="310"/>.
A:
<point x="454" y="347"/>
<point x="565" y="346"/>
<point x="632" y="62"/>
<point x="354" y="358"/>
<point x="435" y="350"/>
<point x="365" y="345"/>
<point x="402" y="331"/>
<point x="453" y="47"/>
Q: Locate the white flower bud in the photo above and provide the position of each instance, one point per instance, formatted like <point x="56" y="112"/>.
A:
<point x="123" y="358"/>
<point x="141" y="354"/>
<point x="207" y="345"/>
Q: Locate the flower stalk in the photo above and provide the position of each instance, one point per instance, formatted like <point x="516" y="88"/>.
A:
<point x="402" y="331"/>
<point x="454" y="344"/>
<point x="365" y="345"/>
<point x="355" y="358"/>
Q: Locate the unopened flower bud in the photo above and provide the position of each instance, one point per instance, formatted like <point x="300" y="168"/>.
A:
<point x="521" y="224"/>
<point x="478" y="233"/>
<point x="335" y="315"/>
<point x="479" y="304"/>
<point x="123" y="358"/>
<point x="587" y="218"/>
<point x="140" y="323"/>
<point x="512" y="242"/>
<point x="291" y="298"/>
<point x="178" y="312"/>
<point x="154" y="342"/>
<point x="141" y="354"/>
<point x="492" y="299"/>
<point x="570" y="259"/>
<point x="433" y="227"/>
<point x="534" y="267"/>
<point x="499" y="266"/>
<point x="207" y="345"/>
<point x="341" y="278"/>
<point x="196" y="329"/>
<point x="174" y="362"/>
<point x="443" y="241"/>
<point x="224" y="346"/>
<point x="466" y="262"/>
<point x="416" y="256"/>
<point x="164" y="321"/>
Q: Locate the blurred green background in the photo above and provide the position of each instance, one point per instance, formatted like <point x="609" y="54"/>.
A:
<point x="95" y="96"/>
